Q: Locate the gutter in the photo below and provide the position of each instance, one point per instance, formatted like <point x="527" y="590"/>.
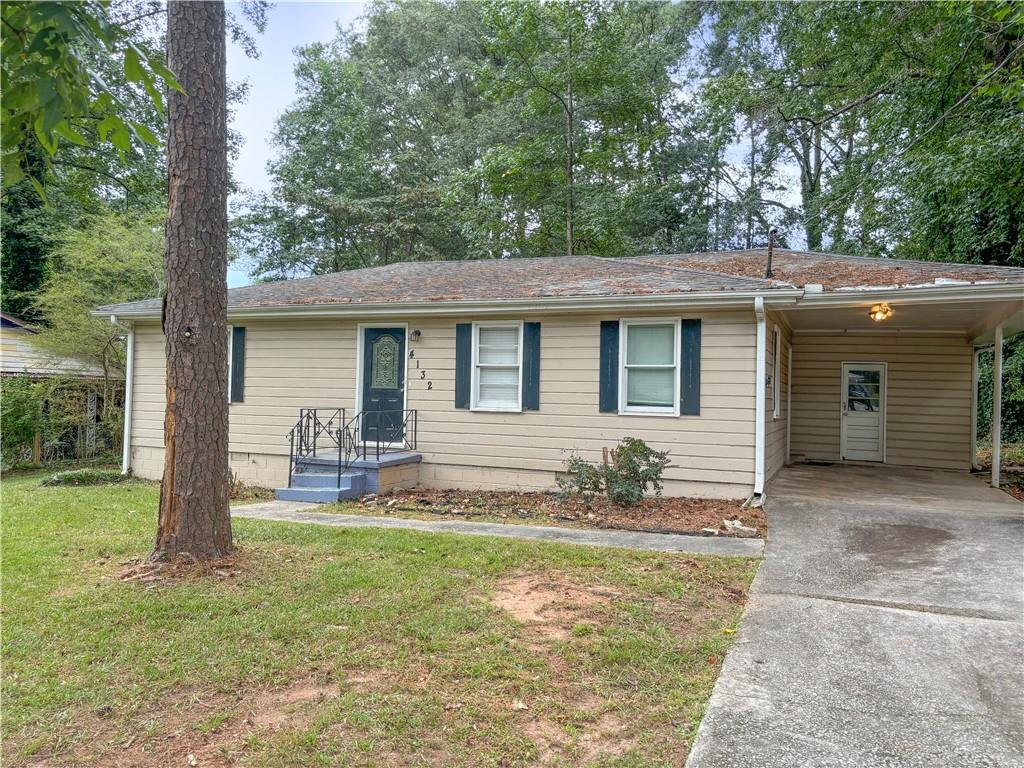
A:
<point x="856" y="297"/>
<point x="760" y="374"/>
<point x="782" y="297"/>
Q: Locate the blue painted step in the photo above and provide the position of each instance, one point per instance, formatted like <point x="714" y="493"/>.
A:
<point x="320" y="479"/>
<point x="323" y="487"/>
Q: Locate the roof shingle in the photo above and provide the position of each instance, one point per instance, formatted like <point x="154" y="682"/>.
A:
<point x="589" y="276"/>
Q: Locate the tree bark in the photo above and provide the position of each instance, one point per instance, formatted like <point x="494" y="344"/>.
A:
<point x="194" y="518"/>
<point x="570" y="145"/>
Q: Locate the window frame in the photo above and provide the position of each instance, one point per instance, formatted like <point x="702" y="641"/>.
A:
<point x="648" y="410"/>
<point x="776" y="372"/>
<point x="474" y="399"/>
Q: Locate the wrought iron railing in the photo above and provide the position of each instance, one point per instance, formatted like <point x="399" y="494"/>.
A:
<point x="378" y="433"/>
<point x="364" y="435"/>
<point x="318" y="429"/>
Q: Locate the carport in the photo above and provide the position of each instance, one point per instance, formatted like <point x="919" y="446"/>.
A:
<point x="889" y="376"/>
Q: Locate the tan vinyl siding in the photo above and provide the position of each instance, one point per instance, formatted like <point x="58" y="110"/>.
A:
<point x="292" y="364"/>
<point x="928" y="404"/>
<point x="775" y="426"/>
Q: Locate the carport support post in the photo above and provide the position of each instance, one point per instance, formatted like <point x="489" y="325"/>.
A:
<point x="760" y="374"/>
<point x="975" y="367"/>
<point x="997" y="404"/>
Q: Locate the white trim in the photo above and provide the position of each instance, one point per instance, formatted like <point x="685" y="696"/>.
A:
<point x="974" y="407"/>
<point x="883" y="402"/>
<point x="914" y="294"/>
<point x="474" y="387"/>
<point x="360" y="328"/>
<point x="789" y="399"/>
<point x="634" y="410"/>
<point x="872" y="331"/>
<point x="693" y="301"/>
<point x="997" y="406"/>
<point x="129" y="386"/>
<point x="776" y="371"/>
<point x="760" y="372"/>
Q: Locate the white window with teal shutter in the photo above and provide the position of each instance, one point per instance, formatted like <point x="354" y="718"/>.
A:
<point x="649" y="366"/>
<point x="497" y="366"/>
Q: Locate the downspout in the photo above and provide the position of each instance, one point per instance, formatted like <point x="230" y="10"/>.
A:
<point x="760" y="373"/>
<point x="974" y="407"/>
<point x="129" y="386"/>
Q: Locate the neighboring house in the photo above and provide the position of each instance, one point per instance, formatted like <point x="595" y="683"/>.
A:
<point x="486" y="374"/>
<point x="20" y="357"/>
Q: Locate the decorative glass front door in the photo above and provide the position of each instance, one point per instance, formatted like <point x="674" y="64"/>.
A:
<point x="863" y="429"/>
<point x="383" y="384"/>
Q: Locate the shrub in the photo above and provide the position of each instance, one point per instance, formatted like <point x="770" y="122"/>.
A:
<point x="633" y="468"/>
<point x="86" y="476"/>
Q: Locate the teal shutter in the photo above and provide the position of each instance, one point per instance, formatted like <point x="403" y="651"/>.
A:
<point x="463" y="363"/>
<point x="237" y="383"/>
<point x="608" y="391"/>
<point x="531" y="366"/>
<point x="689" y="369"/>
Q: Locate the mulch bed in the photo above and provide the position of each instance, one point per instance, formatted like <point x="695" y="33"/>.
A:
<point x="656" y="515"/>
<point x="1014" y="483"/>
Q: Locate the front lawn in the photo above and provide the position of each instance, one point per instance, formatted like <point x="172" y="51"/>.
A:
<point x="322" y="646"/>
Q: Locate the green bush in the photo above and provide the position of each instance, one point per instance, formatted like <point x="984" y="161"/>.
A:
<point x="633" y="468"/>
<point x="86" y="476"/>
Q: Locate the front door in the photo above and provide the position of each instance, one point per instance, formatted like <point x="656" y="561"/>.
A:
<point x="383" y="384"/>
<point x="863" y="428"/>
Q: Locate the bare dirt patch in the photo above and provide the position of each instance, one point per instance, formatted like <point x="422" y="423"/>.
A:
<point x="655" y="515"/>
<point x="275" y="709"/>
<point x="549" y="605"/>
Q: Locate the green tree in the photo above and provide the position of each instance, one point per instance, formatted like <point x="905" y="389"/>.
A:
<point x="113" y="258"/>
<point x="54" y="92"/>
<point x="383" y="120"/>
<point x="903" y="119"/>
<point x="447" y="130"/>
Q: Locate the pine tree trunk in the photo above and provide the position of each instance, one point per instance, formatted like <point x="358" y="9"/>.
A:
<point x="194" y="517"/>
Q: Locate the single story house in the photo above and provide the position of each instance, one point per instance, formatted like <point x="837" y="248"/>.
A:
<point x="487" y="374"/>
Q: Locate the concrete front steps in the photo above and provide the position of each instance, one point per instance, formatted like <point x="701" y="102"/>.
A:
<point x="315" y="478"/>
<point x="324" y="487"/>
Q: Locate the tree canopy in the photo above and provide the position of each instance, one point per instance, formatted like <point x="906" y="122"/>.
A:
<point x="503" y="129"/>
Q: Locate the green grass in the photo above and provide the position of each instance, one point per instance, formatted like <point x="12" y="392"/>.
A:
<point x="420" y="667"/>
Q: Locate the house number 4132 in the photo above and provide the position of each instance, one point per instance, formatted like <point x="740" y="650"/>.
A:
<point x="423" y="372"/>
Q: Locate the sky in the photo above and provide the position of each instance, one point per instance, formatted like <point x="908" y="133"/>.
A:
<point x="272" y="84"/>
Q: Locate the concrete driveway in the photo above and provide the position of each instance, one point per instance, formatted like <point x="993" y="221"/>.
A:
<point x="885" y="627"/>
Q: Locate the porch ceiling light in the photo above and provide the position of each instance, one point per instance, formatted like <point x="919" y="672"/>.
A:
<point x="880" y="312"/>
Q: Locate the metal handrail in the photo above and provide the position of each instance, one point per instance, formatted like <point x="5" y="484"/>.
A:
<point x="358" y="447"/>
<point x="313" y="426"/>
<point x="332" y="428"/>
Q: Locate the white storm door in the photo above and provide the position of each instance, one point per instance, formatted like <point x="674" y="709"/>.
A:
<point x="862" y="435"/>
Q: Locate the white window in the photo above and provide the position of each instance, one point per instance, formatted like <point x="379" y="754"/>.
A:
<point x="776" y="372"/>
<point x="497" y="366"/>
<point x="649" y="351"/>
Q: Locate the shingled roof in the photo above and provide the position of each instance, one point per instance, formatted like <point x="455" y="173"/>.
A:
<point x="589" y="276"/>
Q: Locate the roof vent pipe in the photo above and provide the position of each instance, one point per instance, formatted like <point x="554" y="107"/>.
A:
<point x="771" y="247"/>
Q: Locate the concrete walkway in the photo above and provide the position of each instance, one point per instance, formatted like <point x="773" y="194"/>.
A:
<point x="296" y="512"/>
<point x="885" y="628"/>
